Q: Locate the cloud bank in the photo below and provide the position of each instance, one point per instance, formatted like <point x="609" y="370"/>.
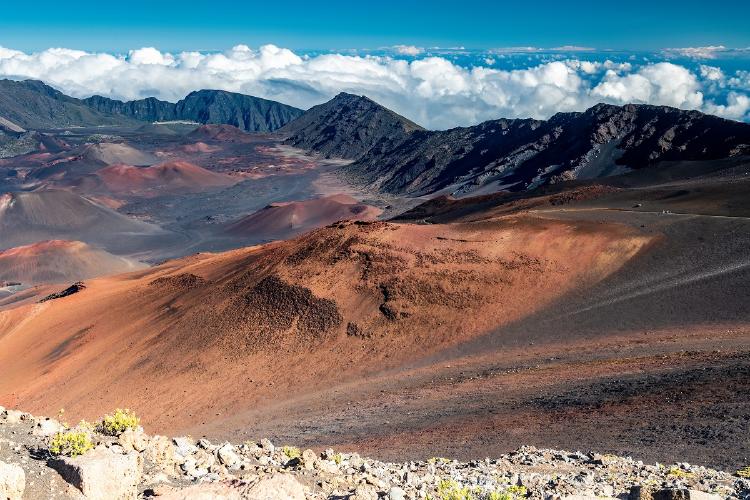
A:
<point x="433" y="91"/>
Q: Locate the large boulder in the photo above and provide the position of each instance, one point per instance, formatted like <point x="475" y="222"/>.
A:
<point x="102" y="474"/>
<point x="203" y="491"/>
<point x="12" y="481"/>
<point x="276" y="487"/>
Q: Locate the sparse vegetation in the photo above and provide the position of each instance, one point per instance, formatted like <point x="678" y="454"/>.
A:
<point x="677" y="472"/>
<point x="451" y="490"/>
<point x="291" y="452"/>
<point x="71" y="443"/>
<point x="744" y="472"/>
<point x="122" y="420"/>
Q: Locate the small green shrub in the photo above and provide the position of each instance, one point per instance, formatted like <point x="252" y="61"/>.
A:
<point x="122" y="420"/>
<point x="451" y="490"/>
<point x="744" y="472"/>
<point x="70" y="443"/>
<point x="338" y="458"/>
<point x="291" y="452"/>
<point x="677" y="472"/>
<point x="517" y="491"/>
<point x="496" y="495"/>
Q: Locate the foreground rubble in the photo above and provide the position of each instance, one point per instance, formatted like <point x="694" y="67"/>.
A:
<point x="136" y="465"/>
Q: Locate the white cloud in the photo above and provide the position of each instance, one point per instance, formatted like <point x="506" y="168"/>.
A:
<point x="741" y="80"/>
<point x="711" y="73"/>
<point x="149" y="55"/>
<point x="433" y="91"/>
<point x="737" y="107"/>
<point x="709" y="52"/>
<point x="573" y="48"/>
<point x="408" y="50"/>
<point x="661" y="83"/>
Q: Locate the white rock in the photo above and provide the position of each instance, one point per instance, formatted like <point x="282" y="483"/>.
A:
<point x="15" y="416"/>
<point x="396" y="493"/>
<point x="203" y="491"/>
<point x="701" y="495"/>
<point x="277" y="487"/>
<point x="47" y="427"/>
<point x="133" y="439"/>
<point x="365" y="492"/>
<point x="267" y="445"/>
<point x="184" y="446"/>
<point x="308" y="459"/>
<point x="12" y="481"/>
<point x="327" y="466"/>
<point x="161" y="452"/>
<point x="227" y="455"/>
<point x="102" y="475"/>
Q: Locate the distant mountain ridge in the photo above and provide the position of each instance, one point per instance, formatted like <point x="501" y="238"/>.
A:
<point x="512" y="154"/>
<point x="248" y="113"/>
<point x="31" y="104"/>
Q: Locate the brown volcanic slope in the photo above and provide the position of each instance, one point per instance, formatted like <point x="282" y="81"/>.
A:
<point x="219" y="133"/>
<point x="284" y="220"/>
<point x="111" y="153"/>
<point x="29" y="217"/>
<point x="60" y="261"/>
<point x="170" y="177"/>
<point x="289" y="317"/>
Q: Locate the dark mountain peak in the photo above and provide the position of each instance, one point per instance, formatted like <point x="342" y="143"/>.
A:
<point x="249" y="113"/>
<point x="347" y="126"/>
<point x="345" y="97"/>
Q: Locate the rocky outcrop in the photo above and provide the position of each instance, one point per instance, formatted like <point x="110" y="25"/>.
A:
<point x="245" y="112"/>
<point x="394" y="155"/>
<point x="135" y="465"/>
<point x="74" y="288"/>
<point x="522" y="154"/>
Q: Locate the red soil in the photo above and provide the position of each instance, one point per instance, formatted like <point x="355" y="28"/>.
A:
<point x="283" y="220"/>
<point x="213" y="334"/>
<point x="220" y="133"/>
<point x="173" y="176"/>
<point x="199" y="147"/>
<point x="59" y="261"/>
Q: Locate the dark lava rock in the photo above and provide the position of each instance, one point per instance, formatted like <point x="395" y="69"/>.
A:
<point x="74" y="288"/>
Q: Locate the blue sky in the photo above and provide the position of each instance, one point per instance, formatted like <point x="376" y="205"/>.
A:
<point x="440" y="63"/>
<point x="335" y="24"/>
